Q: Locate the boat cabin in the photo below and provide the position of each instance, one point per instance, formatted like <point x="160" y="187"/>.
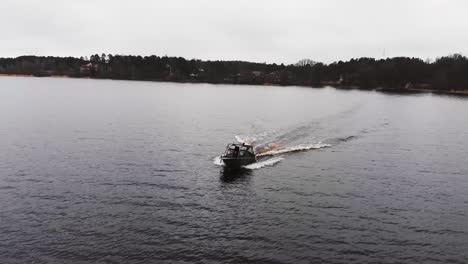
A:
<point x="243" y="150"/>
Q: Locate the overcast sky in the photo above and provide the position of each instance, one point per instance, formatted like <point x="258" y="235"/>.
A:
<point x="254" y="30"/>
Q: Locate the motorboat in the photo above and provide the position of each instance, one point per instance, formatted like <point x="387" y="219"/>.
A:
<point x="238" y="155"/>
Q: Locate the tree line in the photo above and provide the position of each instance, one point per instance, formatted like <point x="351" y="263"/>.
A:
<point x="444" y="73"/>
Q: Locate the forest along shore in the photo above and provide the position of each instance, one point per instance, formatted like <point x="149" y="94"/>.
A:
<point x="455" y="92"/>
<point x="445" y="74"/>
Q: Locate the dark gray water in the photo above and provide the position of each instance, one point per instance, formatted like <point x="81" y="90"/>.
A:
<point x="124" y="172"/>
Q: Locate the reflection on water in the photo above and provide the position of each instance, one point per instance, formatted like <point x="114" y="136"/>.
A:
<point x="229" y="175"/>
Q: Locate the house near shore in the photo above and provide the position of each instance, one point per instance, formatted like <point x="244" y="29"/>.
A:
<point x="88" y="69"/>
<point x="257" y="73"/>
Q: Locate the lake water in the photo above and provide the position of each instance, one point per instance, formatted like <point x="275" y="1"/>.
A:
<point x="126" y="172"/>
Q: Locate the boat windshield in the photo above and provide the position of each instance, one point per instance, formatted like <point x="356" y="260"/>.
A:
<point x="234" y="150"/>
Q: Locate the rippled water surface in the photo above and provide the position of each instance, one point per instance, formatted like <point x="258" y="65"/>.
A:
<point x="126" y="172"/>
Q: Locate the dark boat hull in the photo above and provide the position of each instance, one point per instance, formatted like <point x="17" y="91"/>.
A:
<point x="237" y="162"/>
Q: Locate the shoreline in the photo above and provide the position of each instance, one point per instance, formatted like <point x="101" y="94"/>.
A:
<point x="459" y="92"/>
<point x="32" y="75"/>
<point x="390" y="90"/>
<point x="15" y="75"/>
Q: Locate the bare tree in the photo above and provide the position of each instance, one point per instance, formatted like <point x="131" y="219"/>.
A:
<point x="305" y="62"/>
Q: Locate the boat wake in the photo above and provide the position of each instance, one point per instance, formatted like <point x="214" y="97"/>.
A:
<point x="218" y="161"/>
<point x="269" y="145"/>
<point x="264" y="163"/>
<point x="257" y="165"/>
<point x="281" y="150"/>
<point x="280" y="144"/>
<point x="265" y="150"/>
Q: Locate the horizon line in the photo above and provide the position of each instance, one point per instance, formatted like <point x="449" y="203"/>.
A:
<point x="87" y="57"/>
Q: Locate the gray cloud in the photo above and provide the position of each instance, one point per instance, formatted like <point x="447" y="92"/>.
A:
<point x="264" y="31"/>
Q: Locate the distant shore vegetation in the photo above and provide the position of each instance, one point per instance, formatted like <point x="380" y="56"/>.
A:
<point x="449" y="73"/>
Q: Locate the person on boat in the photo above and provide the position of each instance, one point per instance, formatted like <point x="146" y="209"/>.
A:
<point x="236" y="151"/>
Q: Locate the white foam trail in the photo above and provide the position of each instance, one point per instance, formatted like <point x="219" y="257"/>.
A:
<point x="261" y="164"/>
<point x="218" y="161"/>
<point x="293" y="149"/>
<point x="257" y="165"/>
